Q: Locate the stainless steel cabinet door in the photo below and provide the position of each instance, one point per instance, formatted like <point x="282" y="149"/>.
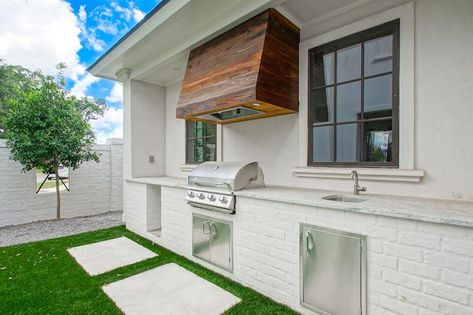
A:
<point x="201" y="237"/>
<point x="331" y="266"/>
<point x="220" y="244"/>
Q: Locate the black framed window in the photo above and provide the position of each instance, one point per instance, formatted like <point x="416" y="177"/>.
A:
<point x="201" y="144"/>
<point x="353" y="100"/>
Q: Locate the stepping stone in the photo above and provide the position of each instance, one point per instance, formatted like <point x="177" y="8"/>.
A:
<point x="105" y="256"/>
<point x="171" y="290"/>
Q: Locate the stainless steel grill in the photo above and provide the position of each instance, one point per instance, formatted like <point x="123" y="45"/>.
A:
<point x="211" y="184"/>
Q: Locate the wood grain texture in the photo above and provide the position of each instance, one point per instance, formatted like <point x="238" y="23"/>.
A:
<point x="257" y="61"/>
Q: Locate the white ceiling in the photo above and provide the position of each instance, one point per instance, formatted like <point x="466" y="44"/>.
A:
<point x="306" y="10"/>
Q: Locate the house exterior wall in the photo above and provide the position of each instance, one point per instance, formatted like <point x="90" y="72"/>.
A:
<point x="413" y="267"/>
<point x="441" y="85"/>
<point x="95" y="188"/>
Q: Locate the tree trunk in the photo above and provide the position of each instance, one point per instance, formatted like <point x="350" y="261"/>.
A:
<point x="58" y="196"/>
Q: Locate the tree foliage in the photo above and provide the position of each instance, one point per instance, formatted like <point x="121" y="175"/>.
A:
<point x="46" y="127"/>
<point x="13" y="81"/>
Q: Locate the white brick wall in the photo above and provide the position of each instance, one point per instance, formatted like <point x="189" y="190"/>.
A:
<point x="95" y="188"/>
<point x="413" y="267"/>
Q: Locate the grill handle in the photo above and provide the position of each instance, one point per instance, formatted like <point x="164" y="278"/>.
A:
<point x="204" y="225"/>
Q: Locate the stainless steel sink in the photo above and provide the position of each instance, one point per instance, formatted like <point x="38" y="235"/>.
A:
<point x="343" y="198"/>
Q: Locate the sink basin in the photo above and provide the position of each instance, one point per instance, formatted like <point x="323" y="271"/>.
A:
<point x="343" y="198"/>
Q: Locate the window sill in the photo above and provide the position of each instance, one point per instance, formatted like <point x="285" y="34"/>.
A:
<point x="390" y="175"/>
<point x="187" y="167"/>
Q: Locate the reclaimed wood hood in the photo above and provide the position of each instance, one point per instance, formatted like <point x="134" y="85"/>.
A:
<point x="248" y="72"/>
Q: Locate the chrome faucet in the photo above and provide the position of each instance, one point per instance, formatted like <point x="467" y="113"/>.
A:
<point x="356" y="186"/>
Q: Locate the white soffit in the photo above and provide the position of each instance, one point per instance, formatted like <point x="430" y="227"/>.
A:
<point x="172" y="31"/>
<point x="156" y="52"/>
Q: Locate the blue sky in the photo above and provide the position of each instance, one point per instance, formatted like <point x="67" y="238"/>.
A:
<point x="39" y="34"/>
<point x="106" y="23"/>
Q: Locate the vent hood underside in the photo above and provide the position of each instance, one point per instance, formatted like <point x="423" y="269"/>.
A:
<point x="249" y="72"/>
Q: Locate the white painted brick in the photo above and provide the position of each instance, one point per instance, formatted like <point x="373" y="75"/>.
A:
<point x="402" y="279"/>
<point x="418" y="239"/>
<point x="385" y="233"/>
<point x="419" y="299"/>
<point x="457" y="279"/>
<point x="458" y="246"/>
<point x="419" y="269"/>
<point x="375" y="245"/>
<point x="375" y="272"/>
<point x="266" y="253"/>
<point x="382" y="260"/>
<point x="449" y="261"/>
<point x="95" y="188"/>
<point x="446" y="292"/>
<point x="398" y="306"/>
<point x="409" y="253"/>
<point x="456" y="309"/>
<point x="382" y="287"/>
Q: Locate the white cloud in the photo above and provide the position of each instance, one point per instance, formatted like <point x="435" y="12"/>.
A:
<point x="116" y="94"/>
<point x="138" y="15"/>
<point x="38" y="34"/>
<point x="107" y="27"/>
<point x="110" y="125"/>
<point x="88" y="34"/>
<point x="82" y="84"/>
<point x="125" y="13"/>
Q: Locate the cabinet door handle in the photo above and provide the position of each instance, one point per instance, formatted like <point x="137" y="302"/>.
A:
<point x="213" y="229"/>
<point x="309" y="241"/>
<point x="203" y="227"/>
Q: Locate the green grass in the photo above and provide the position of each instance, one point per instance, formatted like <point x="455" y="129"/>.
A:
<point x="42" y="278"/>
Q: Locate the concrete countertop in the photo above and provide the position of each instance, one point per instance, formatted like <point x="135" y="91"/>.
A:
<point x="450" y="212"/>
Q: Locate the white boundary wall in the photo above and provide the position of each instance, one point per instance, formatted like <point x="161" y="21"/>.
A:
<point x="95" y="188"/>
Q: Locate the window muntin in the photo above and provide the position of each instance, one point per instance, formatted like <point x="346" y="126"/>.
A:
<point x="353" y="99"/>
<point x="201" y="145"/>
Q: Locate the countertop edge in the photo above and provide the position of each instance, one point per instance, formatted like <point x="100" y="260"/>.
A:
<point x="181" y="183"/>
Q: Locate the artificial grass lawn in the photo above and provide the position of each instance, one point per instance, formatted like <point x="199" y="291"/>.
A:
<point x="42" y="278"/>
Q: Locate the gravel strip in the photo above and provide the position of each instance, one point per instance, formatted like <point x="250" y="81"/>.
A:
<point x="43" y="230"/>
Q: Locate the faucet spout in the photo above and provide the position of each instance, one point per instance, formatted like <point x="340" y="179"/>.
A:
<point x="356" y="186"/>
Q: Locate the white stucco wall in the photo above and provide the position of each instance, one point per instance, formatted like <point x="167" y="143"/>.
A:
<point x="443" y="94"/>
<point x="95" y="188"/>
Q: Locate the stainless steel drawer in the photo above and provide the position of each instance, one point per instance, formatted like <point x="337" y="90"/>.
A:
<point x="212" y="241"/>
<point x="333" y="271"/>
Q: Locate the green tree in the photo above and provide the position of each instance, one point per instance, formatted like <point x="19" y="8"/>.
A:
<point x="46" y="127"/>
<point x="13" y="81"/>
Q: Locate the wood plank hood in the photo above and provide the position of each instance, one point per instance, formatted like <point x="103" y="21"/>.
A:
<point x="249" y="72"/>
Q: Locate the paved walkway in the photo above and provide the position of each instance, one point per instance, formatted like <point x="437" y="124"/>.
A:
<point x="43" y="230"/>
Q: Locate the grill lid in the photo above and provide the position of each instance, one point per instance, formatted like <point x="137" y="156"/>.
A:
<point x="224" y="175"/>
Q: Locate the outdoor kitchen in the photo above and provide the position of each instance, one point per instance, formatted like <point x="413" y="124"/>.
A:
<point x="295" y="147"/>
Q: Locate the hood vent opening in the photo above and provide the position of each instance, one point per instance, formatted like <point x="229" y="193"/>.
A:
<point x="248" y="72"/>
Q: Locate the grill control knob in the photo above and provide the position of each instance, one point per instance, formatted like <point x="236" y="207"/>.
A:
<point x="211" y="197"/>
<point x="222" y="199"/>
<point x="190" y="194"/>
<point x="200" y="195"/>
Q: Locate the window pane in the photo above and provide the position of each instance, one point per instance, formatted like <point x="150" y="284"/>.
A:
<point x="379" y="55"/>
<point x="199" y="129"/>
<point x="378" y="140"/>
<point x="210" y="149"/>
<point x="323" y="144"/>
<point x="378" y="97"/>
<point x="324" y="106"/>
<point x="323" y="69"/>
<point x="349" y="101"/>
<point x="349" y="63"/>
<point x="348" y="146"/>
<point x="210" y="130"/>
